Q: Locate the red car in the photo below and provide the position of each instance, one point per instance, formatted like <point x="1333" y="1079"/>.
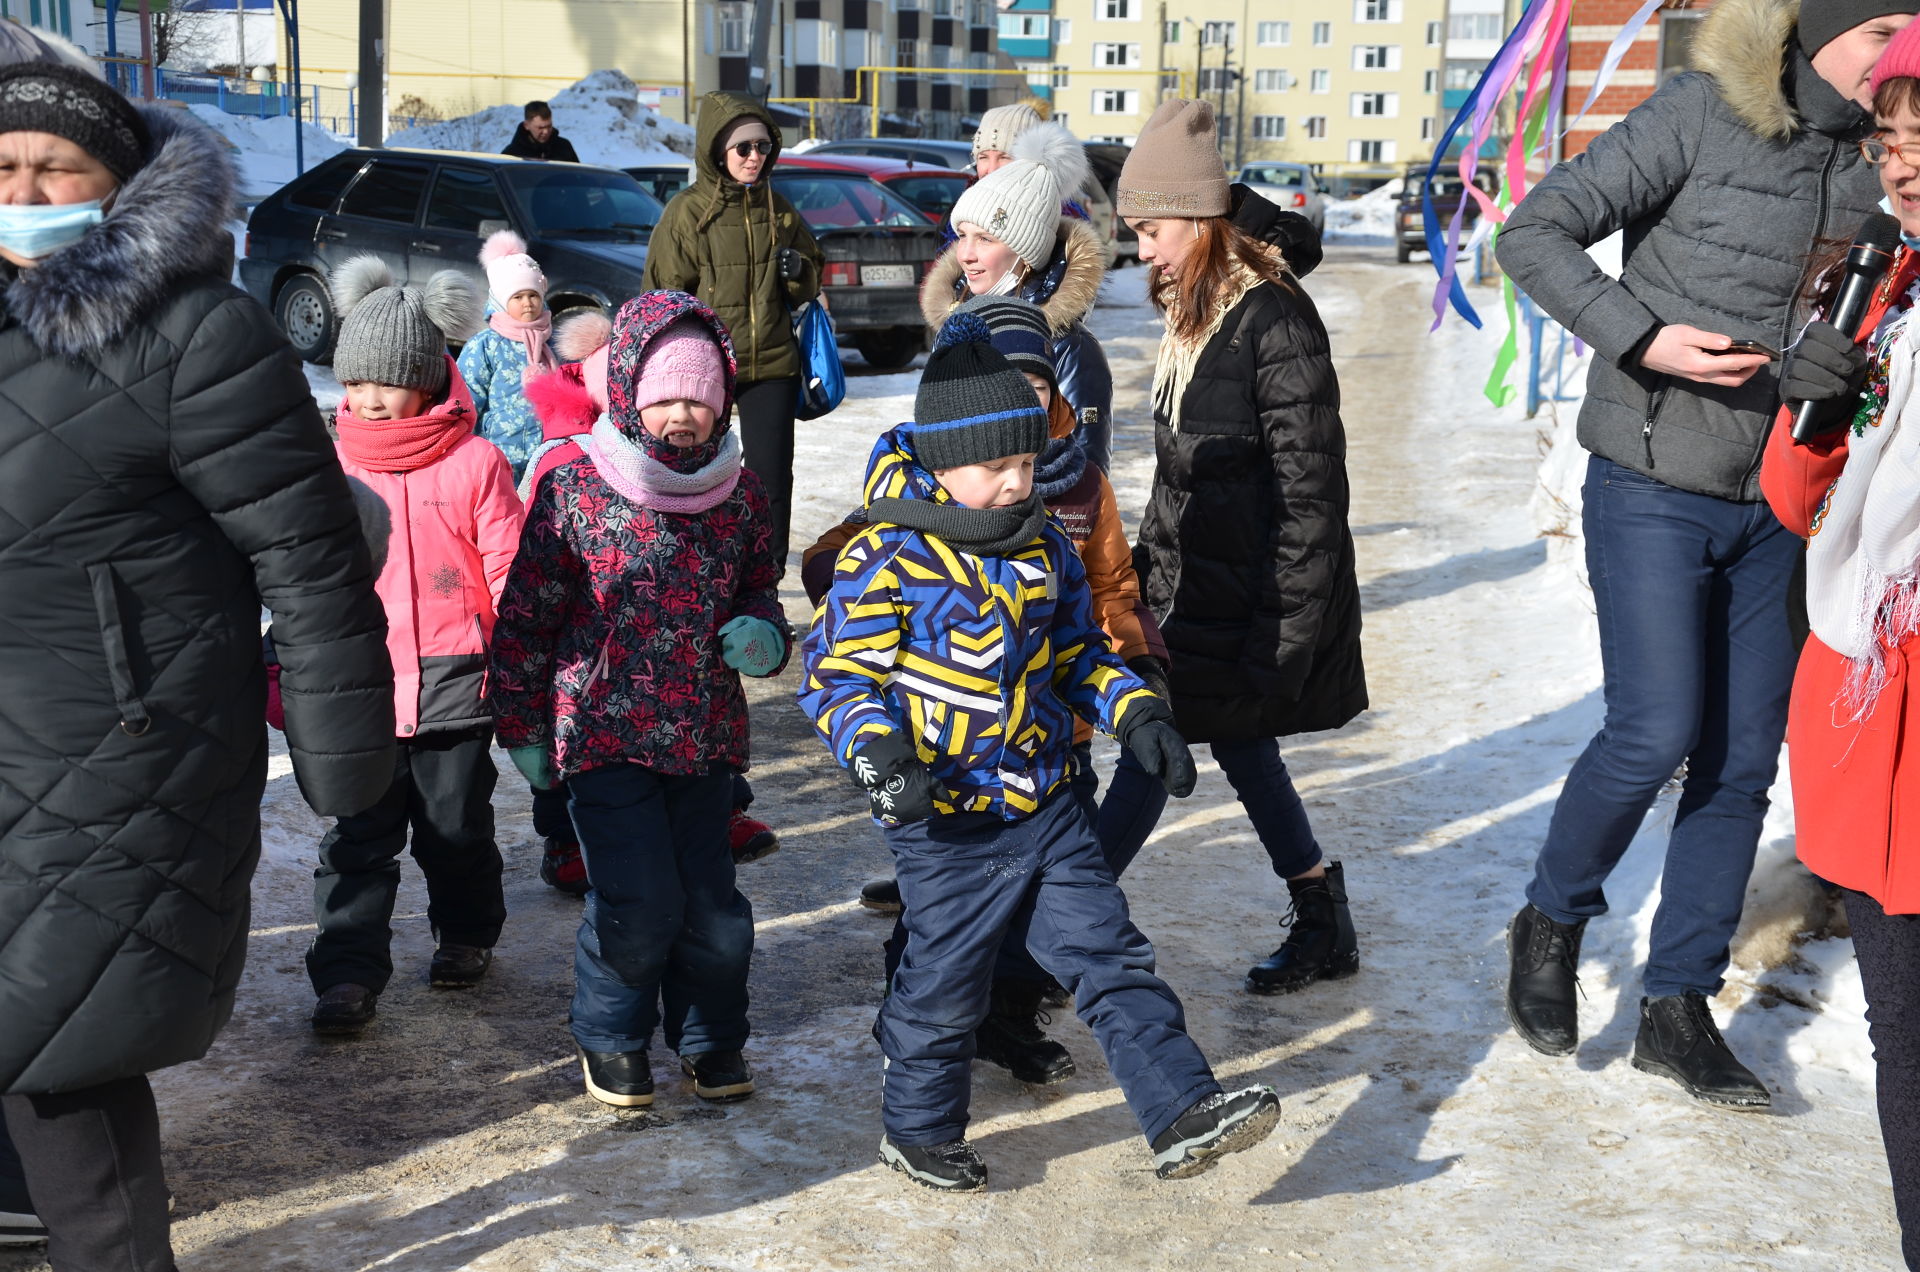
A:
<point x="932" y="189"/>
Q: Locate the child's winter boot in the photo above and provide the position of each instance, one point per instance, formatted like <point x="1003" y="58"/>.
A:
<point x="951" y="1167"/>
<point x="1220" y="1124"/>
<point x="1321" y="946"/>
<point x="1011" y="1036"/>
<point x="750" y="840"/>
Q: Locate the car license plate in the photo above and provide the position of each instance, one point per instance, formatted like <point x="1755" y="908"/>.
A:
<point x="886" y="275"/>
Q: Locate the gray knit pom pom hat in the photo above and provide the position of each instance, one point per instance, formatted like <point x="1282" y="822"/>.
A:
<point x="398" y="335"/>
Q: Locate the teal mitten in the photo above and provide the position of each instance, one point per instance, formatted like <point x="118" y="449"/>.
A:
<point x="535" y="764"/>
<point x="752" y="646"/>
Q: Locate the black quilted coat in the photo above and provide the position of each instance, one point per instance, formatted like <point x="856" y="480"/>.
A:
<point x="163" y="472"/>
<point x="1245" y="556"/>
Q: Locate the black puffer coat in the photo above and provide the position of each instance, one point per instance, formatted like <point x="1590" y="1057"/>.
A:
<point x="165" y="473"/>
<point x="1245" y="556"/>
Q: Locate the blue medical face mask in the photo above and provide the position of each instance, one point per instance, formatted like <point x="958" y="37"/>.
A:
<point x="36" y="230"/>
<point x="1911" y="240"/>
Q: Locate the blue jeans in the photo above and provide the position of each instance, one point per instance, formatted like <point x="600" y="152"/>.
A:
<point x="968" y="881"/>
<point x="1259" y="777"/>
<point x="663" y="923"/>
<point x="1691" y="596"/>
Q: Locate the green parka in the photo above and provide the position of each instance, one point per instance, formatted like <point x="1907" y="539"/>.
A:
<point x="718" y="240"/>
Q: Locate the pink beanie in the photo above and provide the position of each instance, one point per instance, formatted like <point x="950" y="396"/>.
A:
<point x="683" y="362"/>
<point x="1900" y="60"/>
<point x="509" y="269"/>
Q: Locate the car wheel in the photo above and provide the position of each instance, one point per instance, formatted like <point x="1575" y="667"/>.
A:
<point x="305" y="313"/>
<point x="1402" y="253"/>
<point x="891" y="349"/>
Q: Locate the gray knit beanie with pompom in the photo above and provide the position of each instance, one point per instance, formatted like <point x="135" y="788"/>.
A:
<point x="398" y="335"/>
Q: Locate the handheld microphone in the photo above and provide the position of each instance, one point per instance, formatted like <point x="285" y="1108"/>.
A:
<point x="1867" y="262"/>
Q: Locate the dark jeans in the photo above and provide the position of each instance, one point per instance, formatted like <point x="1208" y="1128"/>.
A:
<point x="968" y="881"/>
<point x="1888" y="947"/>
<point x="664" y="923"/>
<point x="442" y="789"/>
<point x="92" y="1161"/>
<point x="765" y="410"/>
<point x="1259" y="777"/>
<point x="1691" y="596"/>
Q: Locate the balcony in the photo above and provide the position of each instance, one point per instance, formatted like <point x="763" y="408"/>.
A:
<point x="1027" y="48"/>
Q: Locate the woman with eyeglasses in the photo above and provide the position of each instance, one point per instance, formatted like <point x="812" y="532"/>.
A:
<point x="1853" y="727"/>
<point x="732" y="240"/>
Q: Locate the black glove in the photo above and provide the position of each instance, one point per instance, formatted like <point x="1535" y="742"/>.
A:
<point x="1823" y="365"/>
<point x="792" y="265"/>
<point x="897" y="784"/>
<point x="1154" y="672"/>
<point x="1147" y="731"/>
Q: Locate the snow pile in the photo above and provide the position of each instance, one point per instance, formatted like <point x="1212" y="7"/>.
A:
<point x="1368" y="217"/>
<point x="602" y="116"/>
<point x="263" y="148"/>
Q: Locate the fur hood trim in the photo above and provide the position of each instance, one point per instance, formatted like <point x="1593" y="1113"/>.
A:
<point x="1071" y="301"/>
<point x="1742" y="44"/>
<point x="168" y="224"/>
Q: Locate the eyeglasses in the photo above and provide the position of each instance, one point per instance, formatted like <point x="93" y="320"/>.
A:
<point x="745" y="148"/>
<point x="1877" y="152"/>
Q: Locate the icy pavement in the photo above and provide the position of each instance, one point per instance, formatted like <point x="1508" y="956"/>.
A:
<point x="1417" y="1133"/>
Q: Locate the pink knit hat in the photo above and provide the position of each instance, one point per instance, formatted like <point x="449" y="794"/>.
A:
<point x="683" y="362"/>
<point x="509" y="269"/>
<point x="1901" y="60"/>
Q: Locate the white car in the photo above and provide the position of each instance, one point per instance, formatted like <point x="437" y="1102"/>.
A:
<point x="1291" y="186"/>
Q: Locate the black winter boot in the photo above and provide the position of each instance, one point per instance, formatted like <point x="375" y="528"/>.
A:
<point x="1543" y="958"/>
<point x="1321" y="946"/>
<point x="1011" y="1036"/>
<point x="1679" y="1040"/>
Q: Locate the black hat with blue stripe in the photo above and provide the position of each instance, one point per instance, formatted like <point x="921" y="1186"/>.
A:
<point x="1017" y="328"/>
<point x="974" y="406"/>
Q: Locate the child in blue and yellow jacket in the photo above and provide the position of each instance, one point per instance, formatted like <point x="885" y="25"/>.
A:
<point x="944" y="669"/>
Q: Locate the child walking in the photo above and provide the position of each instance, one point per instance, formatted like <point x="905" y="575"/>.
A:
<point x="515" y="347"/>
<point x="646" y="583"/>
<point x="944" y="670"/>
<point x="406" y="431"/>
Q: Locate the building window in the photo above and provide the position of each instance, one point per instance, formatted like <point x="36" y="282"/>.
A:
<point x="1272" y="33"/>
<point x="1063" y="31"/>
<point x="980" y="13"/>
<point x="1376" y="57"/>
<point x="735" y="29"/>
<point x="1463" y="75"/>
<point x="1376" y="10"/>
<point x="815" y="42"/>
<point x="1320" y="81"/>
<point x="1370" y="151"/>
<point x="1115" y="101"/>
<point x="1376" y="105"/>
<point x="1170" y="31"/>
<point x="1023" y="26"/>
<point x="1427" y="130"/>
<point x="1271" y="81"/>
<point x="1117" y="10"/>
<point x="1429" y="81"/>
<point x="1676" y="38"/>
<point x="1322" y="34"/>
<point x="942" y="8"/>
<point x="1060" y="118"/>
<point x="1059" y="81"/>
<point x="1436" y="31"/>
<point x="1474" y="26"/>
<point x="1215" y="79"/>
<point x="1317" y="127"/>
<point x="1216" y="33"/>
<point x="1123" y="55"/>
<point x="1269" y="127"/>
<point x="908" y="53"/>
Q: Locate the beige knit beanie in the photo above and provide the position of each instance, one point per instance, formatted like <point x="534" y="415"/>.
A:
<point x="999" y="126"/>
<point x="1175" y="168"/>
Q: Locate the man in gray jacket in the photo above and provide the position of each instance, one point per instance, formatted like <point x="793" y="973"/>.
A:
<point x="1722" y="183"/>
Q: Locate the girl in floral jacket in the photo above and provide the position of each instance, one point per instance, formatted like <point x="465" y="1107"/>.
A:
<point x="645" y="584"/>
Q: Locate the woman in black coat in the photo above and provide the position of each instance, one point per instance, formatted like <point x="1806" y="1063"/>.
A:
<point x="1245" y="556"/>
<point x="166" y="474"/>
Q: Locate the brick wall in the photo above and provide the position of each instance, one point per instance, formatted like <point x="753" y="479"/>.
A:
<point x="1594" y="26"/>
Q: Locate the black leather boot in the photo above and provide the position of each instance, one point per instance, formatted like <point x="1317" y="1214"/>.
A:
<point x="1011" y="1037"/>
<point x="1679" y="1040"/>
<point x="1543" y="984"/>
<point x="1321" y="946"/>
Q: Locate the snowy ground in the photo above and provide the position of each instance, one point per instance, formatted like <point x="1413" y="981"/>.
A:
<point x="1417" y="1131"/>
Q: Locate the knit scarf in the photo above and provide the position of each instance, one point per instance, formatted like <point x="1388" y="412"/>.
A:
<point x="629" y="469"/>
<point x="532" y="336"/>
<point x="980" y="531"/>
<point x="1863" y="556"/>
<point x="1061" y="466"/>
<point x="399" y="446"/>
<point x="1173" y="368"/>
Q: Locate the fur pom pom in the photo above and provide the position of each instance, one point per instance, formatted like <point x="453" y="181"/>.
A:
<point x="356" y="279"/>
<point x="1054" y="148"/>
<point x="454" y="304"/>
<point x="502" y="243"/>
<point x="561" y="402"/>
<point x="579" y="336"/>
<point x="964" y="329"/>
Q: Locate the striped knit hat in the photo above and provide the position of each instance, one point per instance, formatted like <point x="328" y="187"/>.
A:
<point x="974" y="407"/>
<point x="1017" y="328"/>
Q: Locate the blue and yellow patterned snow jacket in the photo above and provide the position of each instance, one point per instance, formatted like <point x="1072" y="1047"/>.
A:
<point x="981" y="660"/>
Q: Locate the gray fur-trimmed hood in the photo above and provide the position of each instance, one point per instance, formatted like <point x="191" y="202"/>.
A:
<point x="167" y="224"/>
<point x="1743" y="45"/>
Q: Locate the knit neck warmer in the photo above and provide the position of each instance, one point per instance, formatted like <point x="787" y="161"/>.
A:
<point x="1173" y="368"/>
<point x="632" y="469"/>
<point x="1060" y="467"/>
<point x="532" y="336"/>
<point x="1863" y="555"/>
<point x="400" y="446"/>
<point x="980" y="531"/>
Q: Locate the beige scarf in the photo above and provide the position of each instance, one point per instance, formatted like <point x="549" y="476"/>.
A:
<point x="1173" y="368"/>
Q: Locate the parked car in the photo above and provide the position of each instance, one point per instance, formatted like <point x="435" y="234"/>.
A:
<point x="1107" y="158"/>
<point x="932" y="188"/>
<point x="663" y="180"/>
<point x="957" y="155"/>
<point x="1409" y="224"/>
<point x="878" y="247"/>
<point x="1290" y="185"/>
<point x="423" y="211"/>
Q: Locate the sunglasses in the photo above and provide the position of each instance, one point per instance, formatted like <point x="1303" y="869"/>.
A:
<point x="745" y="148"/>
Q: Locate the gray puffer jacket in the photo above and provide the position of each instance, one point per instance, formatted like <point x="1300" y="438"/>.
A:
<point x="1723" y="181"/>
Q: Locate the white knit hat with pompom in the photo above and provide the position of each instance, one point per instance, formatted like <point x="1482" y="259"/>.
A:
<point x="509" y="268"/>
<point x="1019" y="203"/>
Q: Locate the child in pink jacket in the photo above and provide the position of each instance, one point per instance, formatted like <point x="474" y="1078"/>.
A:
<point x="406" y="431"/>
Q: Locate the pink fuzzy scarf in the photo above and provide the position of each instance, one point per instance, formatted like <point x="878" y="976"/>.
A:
<point x="532" y="336"/>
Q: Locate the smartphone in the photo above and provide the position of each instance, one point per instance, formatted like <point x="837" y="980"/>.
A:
<point x="1749" y="346"/>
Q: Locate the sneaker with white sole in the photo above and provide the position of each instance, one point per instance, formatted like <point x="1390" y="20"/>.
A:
<point x="719" y="1077"/>
<point x="623" y="1079"/>
<point x="1219" y="1124"/>
<point x="950" y="1167"/>
<point x="21" y="1228"/>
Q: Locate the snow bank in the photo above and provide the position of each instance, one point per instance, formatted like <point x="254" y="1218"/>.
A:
<point x="602" y="116"/>
<point x="1368" y="217"/>
<point x="263" y="148"/>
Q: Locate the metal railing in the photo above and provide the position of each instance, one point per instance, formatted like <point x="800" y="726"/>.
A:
<point x="1556" y="360"/>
